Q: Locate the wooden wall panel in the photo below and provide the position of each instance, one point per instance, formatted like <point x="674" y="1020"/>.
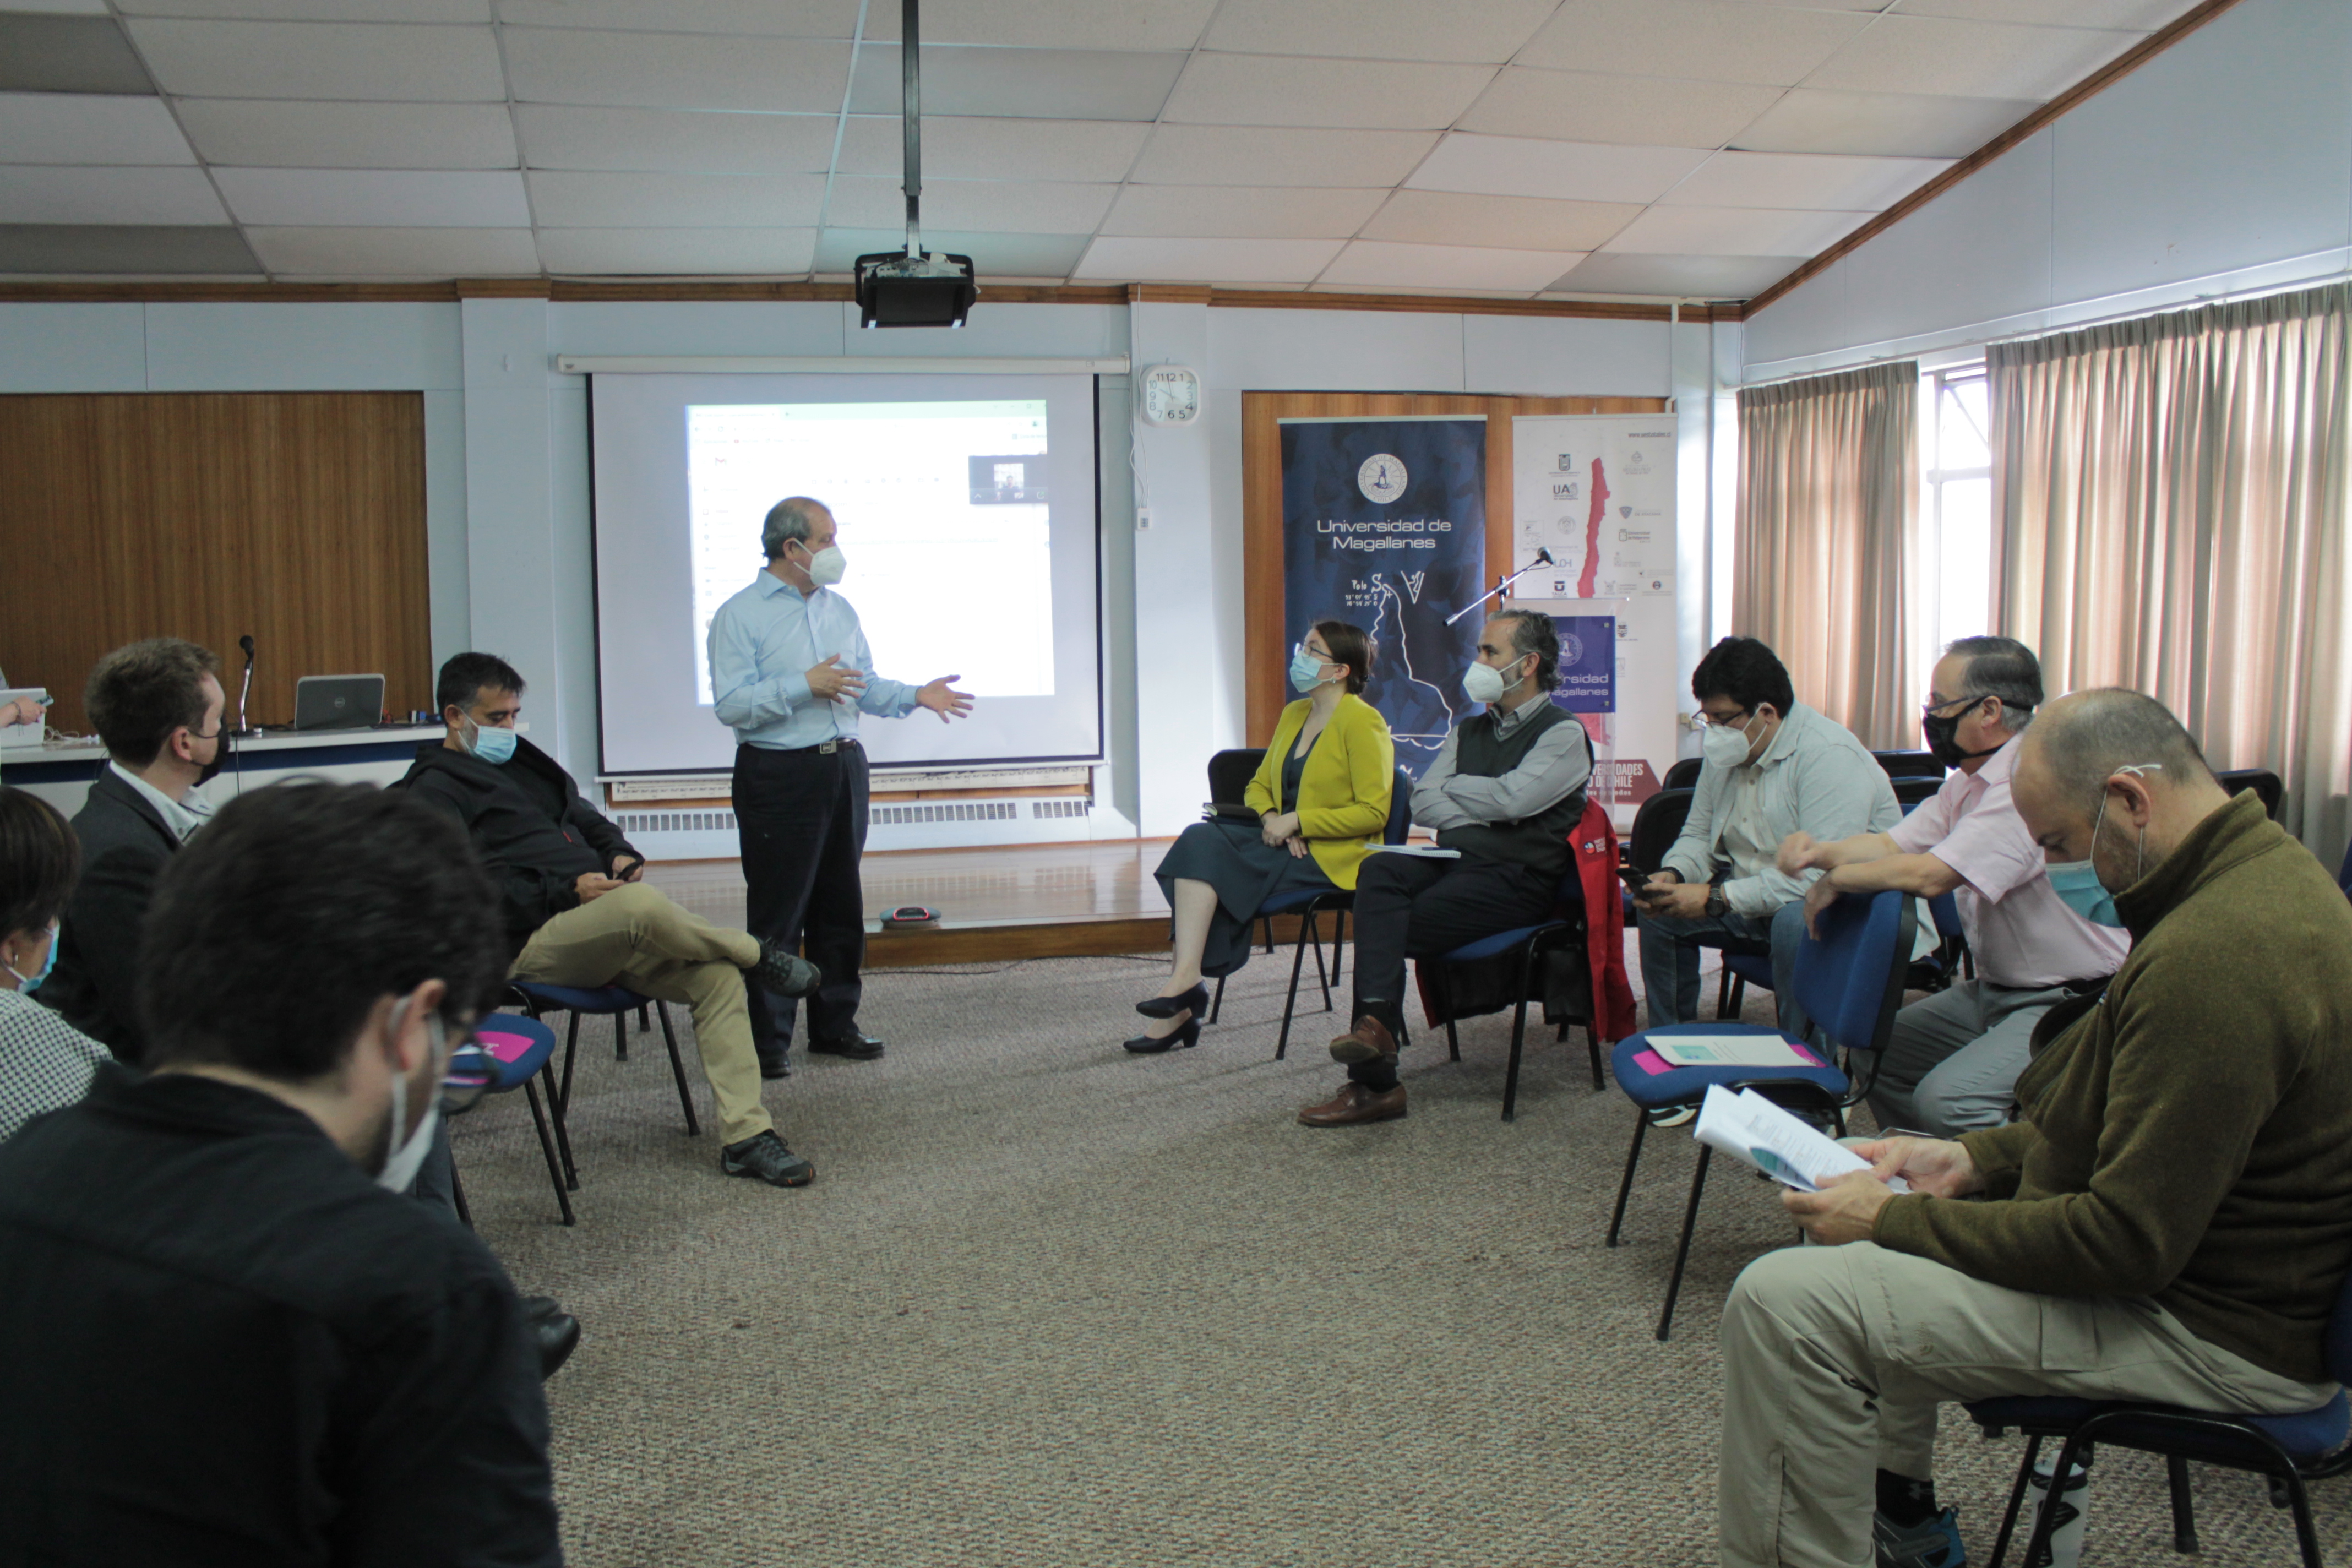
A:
<point x="295" y="517"/>
<point x="1262" y="413"/>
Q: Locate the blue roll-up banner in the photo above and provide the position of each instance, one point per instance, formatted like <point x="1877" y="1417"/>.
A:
<point x="1588" y="663"/>
<point x="1384" y="525"/>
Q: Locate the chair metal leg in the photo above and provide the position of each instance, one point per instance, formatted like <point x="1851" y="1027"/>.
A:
<point x="1738" y="998"/>
<point x="547" y="1149"/>
<point x="1310" y="935"/>
<point x="678" y="1071"/>
<point x="1453" y="1042"/>
<point x="1723" y="993"/>
<point x="2016" y="1500"/>
<point x="1593" y="1044"/>
<point x="1339" y="936"/>
<point x="570" y="1049"/>
<point x="2305" y="1535"/>
<point x="1518" y="1034"/>
<point x="645" y="1024"/>
<point x="1682" y="1250"/>
<point x="2184" y="1506"/>
<point x="621" y="1037"/>
<point x="1633" y="1158"/>
<point x="1265" y="929"/>
<point x="562" y="1118"/>
<point x="1217" y="1004"/>
<point x="1290" y="1001"/>
<point x="457" y="1198"/>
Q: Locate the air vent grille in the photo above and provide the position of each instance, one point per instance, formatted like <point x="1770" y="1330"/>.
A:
<point x="676" y="821"/>
<point x="1072" y="807"/>
<point x="948" y="811"/>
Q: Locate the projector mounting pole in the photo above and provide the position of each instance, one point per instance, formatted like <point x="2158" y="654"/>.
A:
<point x="911" y="67"/>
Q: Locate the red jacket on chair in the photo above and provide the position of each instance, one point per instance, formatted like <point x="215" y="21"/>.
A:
<point x="1595" y="842"/>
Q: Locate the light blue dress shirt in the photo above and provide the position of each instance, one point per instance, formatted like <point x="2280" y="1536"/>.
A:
<point x="764" y="643"/>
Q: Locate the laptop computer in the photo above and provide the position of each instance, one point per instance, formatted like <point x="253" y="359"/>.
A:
<point x="338" y="702"/>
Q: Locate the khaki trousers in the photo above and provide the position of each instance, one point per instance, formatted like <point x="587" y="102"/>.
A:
<point x="1834" y="1359"/>
<point x="635" y="936"/>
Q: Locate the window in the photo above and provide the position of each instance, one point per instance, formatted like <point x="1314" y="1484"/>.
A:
<point x="1955" y="511"/>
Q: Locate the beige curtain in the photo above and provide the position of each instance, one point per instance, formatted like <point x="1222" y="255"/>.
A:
<point x="2172" y="507"/>
<point x="1829" y="499"/>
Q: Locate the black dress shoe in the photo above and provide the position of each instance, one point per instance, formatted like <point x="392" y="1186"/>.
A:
<point x="776" y="1066"/>
<point x="858" y="1048"/>
<point x="554" y="1330"/>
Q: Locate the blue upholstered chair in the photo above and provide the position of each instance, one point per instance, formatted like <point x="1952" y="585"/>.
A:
<point x="1850" y="982"/>
<point x="515" y="1052"/>
<point x="615" y="1002"/>
<point x="1526" y="946"/>
<point x="2290" y="1450"/>
<point x="1309" y="907"/>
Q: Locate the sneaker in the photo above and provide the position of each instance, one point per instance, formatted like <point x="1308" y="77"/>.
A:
<point x="1930" y="1543"/>
<point x="786" y="973"/>
<point x="764" y="1158"/>
<point x="1673" y="1115"/>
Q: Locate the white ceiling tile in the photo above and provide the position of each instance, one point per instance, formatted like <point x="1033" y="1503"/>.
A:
<point x="562" y="137"/>
<point x="677" y="251"/>
<point x="2139" y="15"/>
<point x="995" y="257"/>
<point x="1678" y="276"/>
<point x="355" y="198"/>
<point x="671" y="70"/>
<point x="321" y="60"/>
<point x="1256" y="155"/>
<point x="107" y="195"/>
<point x="1968" y="59"/>
<point x="1704" y="38"/>
<point x="1913" y="125"/>
<point x="1374" y="263"/>
<point x="279" y="133"/>
<point x="1487" y="33"/>
<point x="1520" y="223"/>
<point x="1228" y="212"/>
<point x="88" y="128"/>
<point x="61" y="8"/>
<point x="1734" y="231"/>
<point x="975" y="148"/>
<point x="396" y="252"/>
<point x="1031" y="84"/>
<point x="786" y="18"/>
<point x="1565" y="171"/>
<point x="1804" y="180"/>
<point x="313" y="10"/>
<point x="1581" y="106"/>
<point x="1269" y="90"/>
<point x="688" y="201"/>
<point x="1054" y="23"/>
<point x="979" y="206"/>
<point x="1207" y="260"/>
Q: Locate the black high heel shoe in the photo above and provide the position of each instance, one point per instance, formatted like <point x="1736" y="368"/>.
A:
<point x="1188" y="1033"/>
<point x="1196" y="1001"/>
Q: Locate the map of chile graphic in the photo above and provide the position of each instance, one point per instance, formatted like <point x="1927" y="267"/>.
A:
<point x="1592" y="521"/>
<point x="1384" y="525"/>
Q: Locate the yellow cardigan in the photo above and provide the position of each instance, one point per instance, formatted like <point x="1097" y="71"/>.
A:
<point x="1343" y="795"/>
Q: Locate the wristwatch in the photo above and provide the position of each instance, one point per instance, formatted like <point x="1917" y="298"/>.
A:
<point x="1716" y="904"/>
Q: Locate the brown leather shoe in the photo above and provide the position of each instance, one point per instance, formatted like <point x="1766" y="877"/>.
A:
<point x="1368" y="1041"/>
<point x="1353" y="1106"/>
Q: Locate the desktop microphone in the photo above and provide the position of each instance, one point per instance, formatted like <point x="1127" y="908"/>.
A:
<point x="244" y="642"/>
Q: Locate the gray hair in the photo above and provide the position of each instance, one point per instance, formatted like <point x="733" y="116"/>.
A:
<point x="792" y="519"/>
<point x="1533" y="632"/>
<point x="2002" y="667"/>
<point x="2090" y="736"/>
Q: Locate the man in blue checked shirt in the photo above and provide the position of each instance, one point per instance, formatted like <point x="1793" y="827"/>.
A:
<point x="791" y="671"/>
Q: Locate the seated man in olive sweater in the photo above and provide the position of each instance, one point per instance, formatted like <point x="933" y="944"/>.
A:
<point x="2179" y="1170"/>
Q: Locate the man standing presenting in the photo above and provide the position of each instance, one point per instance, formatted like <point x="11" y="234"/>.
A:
<point x="791" y="672"/>
<point x="1952" y="1065"/>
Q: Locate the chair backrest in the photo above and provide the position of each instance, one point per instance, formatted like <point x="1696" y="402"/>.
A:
<point x="1400" y="809"/>
<point x="1850" y="979"/>
<point x="1684" y="775"/>
<point x="1913" y="788"/>
<point x="1657" y="823"/>
<point x="1909" y="764"/>
<point x="1231" y="771"/>
<point x="2261" y="781"/>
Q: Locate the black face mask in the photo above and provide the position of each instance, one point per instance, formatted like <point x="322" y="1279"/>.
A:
<point x="1944" y="740"/>
<point x="212" y="768"/>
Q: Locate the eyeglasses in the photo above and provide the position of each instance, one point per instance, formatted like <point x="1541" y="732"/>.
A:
<point x="1702" y="719"/>
<point x="1931" y="707"/>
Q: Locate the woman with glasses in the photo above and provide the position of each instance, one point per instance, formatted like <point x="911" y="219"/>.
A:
<point x="45" y="1062"/>
<point x="1316" y="806"/>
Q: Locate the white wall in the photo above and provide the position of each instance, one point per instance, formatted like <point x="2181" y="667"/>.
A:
<point x="2223" y="166"/>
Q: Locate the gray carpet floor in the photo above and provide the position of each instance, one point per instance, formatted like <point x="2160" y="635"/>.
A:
<point x="1051" y="1304"/>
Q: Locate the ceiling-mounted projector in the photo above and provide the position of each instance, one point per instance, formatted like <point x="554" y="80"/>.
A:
<point x="895" y="290"/>
<point x="913" y="287"/>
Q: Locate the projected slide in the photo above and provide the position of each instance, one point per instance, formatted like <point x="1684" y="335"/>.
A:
<point x="932" y="498"/>
<point x="967" y="506"/>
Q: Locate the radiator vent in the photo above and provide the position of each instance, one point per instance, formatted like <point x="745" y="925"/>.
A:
<point x="1071" y="808"/>
<point x="676" y="821"/>
<point x="948" y="811"/>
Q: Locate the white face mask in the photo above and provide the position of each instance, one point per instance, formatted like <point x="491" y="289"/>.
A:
<point x="1485" y="683"/>
<point x="825" y="566"/>
<point x="1725" y="745"/>
<point x="407" y="1156"/>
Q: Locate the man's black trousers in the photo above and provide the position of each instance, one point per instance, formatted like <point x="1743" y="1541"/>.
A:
<point x="800" y="818"/>
<point x="1407" y="907"/>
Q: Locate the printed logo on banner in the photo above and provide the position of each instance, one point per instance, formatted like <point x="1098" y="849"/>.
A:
<point x="1384" y="525"/>
<point x="1588" y="664"/>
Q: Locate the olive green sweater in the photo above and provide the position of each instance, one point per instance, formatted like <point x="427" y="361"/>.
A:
<point x="2187" y="1136"/>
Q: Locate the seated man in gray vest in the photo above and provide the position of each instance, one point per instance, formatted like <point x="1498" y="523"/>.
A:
<point x="1507" y="791"/>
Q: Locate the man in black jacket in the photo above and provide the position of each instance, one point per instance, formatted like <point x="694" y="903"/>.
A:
<point x="228" y="1341"/>
<point x="577" y="912"/>
<point x="157" y="705"/>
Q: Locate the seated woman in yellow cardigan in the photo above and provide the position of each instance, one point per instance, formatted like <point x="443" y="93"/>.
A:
<point x="1322" y="800"/>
